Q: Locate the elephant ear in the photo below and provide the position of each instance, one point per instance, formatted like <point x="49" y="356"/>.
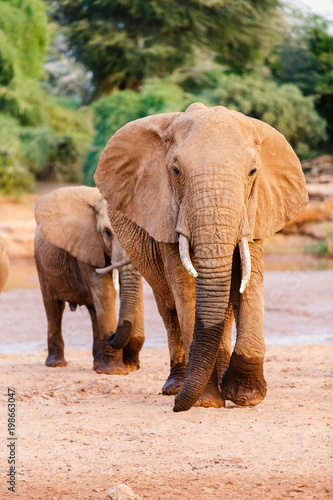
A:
<point x="280" y="192"/>
<point x="133" y="178"/>
<point x="68" y="220"/>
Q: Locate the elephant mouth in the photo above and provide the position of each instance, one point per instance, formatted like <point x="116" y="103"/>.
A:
<point x="184" y="252"/>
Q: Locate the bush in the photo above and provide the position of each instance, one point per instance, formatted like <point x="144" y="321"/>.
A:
<point x="70" y="133"/>
<point x="53" y="150"/>
<point x="14" y="174"/>
<point x="38" y="137"/>
<point x="284" y="107"/>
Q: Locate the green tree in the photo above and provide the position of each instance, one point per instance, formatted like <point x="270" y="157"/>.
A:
<point x="23" y="38"/>
<point x="304" y="57"/>
<point x="284" y="107"/>
<point x="38" y="137"/>
<point x="125" y="41"/>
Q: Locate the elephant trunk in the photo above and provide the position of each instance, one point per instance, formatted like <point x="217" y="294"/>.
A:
<point x="212" y="298"/>
<point x="184" y="252"/>
<point x="214" y="236"/>
<point x="112" y="267"/>
<point x="130" y="280"/>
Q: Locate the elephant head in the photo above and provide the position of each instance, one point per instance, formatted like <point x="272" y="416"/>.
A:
<point x="76" y="220"/>
<point x="208" y="178"/>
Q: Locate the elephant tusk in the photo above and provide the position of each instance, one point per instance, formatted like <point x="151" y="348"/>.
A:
<point x="105" y="270"/>
<point x="245" y="263"/>
<point x="185" y="255"/>
<point x="115" y="278"/>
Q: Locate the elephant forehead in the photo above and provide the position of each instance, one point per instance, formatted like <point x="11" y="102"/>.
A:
<point x="222" y="132"/>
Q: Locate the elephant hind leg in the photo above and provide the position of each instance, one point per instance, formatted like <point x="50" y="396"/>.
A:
<point x="54" y="309"/>
<point x="211" y="397"/>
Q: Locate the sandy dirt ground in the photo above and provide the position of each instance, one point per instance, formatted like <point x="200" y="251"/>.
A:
<point x="298" y="310"/>
<point x="80" y="433"/>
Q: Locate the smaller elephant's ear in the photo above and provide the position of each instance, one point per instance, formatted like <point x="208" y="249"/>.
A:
<point x="68" y="220"/>
<point x="133" y="178"/>
<point x="281" y="190"/>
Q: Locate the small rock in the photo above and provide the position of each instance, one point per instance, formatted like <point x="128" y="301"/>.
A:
<point x="122" y="492"/>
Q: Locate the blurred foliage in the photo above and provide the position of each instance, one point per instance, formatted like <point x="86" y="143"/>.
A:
<point x="14" y="175"/>
<point x="55" y="149"/>
<point x="64" y="76"/>
<point x="138" y="58"/>
<point x="39" y="139"/>
<point x="23" y="38"/>
<point x="284" y="107"/>
<point x="303" y="55"/>
<point x="124" y="42"/>
<point x="322" y="248"/>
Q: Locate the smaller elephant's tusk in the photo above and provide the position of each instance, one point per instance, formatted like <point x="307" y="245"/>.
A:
<point x="245" y="263"/>
<point x="115" y="278"/>
<point x="184" y="252"/>
<point x="105" y="270"/>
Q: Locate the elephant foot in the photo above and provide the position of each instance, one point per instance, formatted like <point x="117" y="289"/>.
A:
<point x="175" y="380"/>
<point x="211" y="397"/>
<point x="131" y="354"/>
<point x="114" y="367"/>
<point x="55" y="360"/>
<point x="132" y="363"/>
<point x="243" y="383"/>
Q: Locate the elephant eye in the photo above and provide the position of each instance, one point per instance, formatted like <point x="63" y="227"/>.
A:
<point x="107" y="232"/>
<point x="175" y="170"/>
<point x="253" y="171"/>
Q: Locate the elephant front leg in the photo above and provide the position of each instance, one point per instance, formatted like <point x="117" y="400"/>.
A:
<point x="54" y="309"/>
<point x="106" y="359"/>
<point x="175" y="380"/>
<point x="132" y="349"/>
<point x="211" y="397"/>
<point x="104" y="320"/>
<point x="244" y="382"/>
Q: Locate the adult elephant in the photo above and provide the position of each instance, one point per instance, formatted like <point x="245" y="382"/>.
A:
<point x="213" y="183"/>
<point x="73" y="237"/>
<point x="4" y="265"/>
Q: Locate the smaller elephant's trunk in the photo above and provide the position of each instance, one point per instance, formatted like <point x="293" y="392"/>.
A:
<point x="117" y="265"/>
<point x="130" y="281"/>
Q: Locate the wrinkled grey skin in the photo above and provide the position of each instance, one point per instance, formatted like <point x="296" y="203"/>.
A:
<point x="65" y="278"/>
<point x="215" y="178"/>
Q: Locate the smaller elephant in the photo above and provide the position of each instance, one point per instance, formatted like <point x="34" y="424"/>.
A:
<point x="4" y="265"/>
<point x="74" y="237"/>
